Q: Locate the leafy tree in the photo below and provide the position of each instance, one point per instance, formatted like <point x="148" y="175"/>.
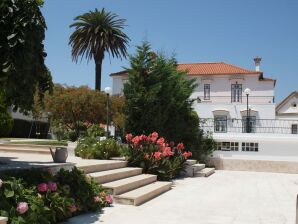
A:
<point x="76" y="108"/>
<point x="22" y="56"/>
<point x="97" y="32"/>
<point x="117" y="113"/>
<point x="158" y="99"/>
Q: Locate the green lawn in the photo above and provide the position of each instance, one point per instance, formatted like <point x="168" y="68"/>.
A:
<point x="63" y="143"/>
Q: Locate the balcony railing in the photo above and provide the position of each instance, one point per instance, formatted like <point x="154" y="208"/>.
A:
<point x="236" y="99"/>
<point x="249" y="126"/>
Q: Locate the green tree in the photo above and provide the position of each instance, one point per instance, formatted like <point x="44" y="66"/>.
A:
<point x="6" y="121"/>
<point x="158" y="99"/>
<point x="22" y="56"/>
<point x="97" y="32"/>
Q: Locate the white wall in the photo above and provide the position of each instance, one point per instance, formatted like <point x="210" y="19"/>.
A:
<point x="271" y="147"/>
<point x="287" y="111"/>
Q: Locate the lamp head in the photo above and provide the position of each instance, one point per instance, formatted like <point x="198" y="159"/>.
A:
<point x="108" y="90"/>
<point x="247" y="91"/>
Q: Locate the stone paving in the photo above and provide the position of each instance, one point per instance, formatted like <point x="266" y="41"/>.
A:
<point x="226" y="197"/>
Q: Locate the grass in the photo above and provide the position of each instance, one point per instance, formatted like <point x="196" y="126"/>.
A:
<point x="60" y="143"/>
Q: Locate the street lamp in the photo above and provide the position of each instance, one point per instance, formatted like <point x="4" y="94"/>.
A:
<point x="247" y="92"/>
<point x="108" y="91"/>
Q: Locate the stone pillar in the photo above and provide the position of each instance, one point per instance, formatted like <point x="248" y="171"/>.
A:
<point x="3" y="220"/>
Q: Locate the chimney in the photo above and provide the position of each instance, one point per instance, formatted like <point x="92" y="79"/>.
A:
<point x="257" y="63"/>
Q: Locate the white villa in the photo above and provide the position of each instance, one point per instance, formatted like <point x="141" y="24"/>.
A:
<point x="238" y="106"/>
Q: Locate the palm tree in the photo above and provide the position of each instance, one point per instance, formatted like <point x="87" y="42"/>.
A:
<point x="97" y="32"/>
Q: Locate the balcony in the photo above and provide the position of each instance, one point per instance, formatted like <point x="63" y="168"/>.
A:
<point x="249" y="125"/>
<point x="236" y="99"/>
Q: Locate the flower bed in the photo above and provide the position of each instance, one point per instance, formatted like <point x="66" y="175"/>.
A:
<point x="156" y="156"/>
<point x="36" y="196"/>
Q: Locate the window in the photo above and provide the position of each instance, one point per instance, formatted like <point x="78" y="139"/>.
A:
<point x="252" y="124"/>
<point x="294" y="105"/>
<point x="294" y="128"/>
<point x="236" y="92"/>
<point x="228" y="146"/>
<point x="206" y="91"/>
<point x="220" y="123"/>
<point x="250" y="146"/>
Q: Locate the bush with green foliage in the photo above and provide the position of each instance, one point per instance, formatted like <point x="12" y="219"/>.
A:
<point x="6" y="121"/>
<point x="95" y="131"/>
<point x="158" y="99"/>
<point x="91" y="148"/>
<point x="156" y="156"/>
<point x="35" y="196"/>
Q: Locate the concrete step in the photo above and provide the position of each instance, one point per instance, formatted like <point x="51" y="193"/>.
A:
<point x="205" y="172"/>
<point x="3" y="220"/>
<point x="102" y="166"/>
<point x="143" y="194"/>
<point x="190" y="162"/>
<point x="25" y="149"/>
<point x="198" y="167"/>
<point x="116" y="174"/>
<point x="130" y="183"/>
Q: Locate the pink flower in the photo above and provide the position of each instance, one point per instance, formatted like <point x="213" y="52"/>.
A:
<point x="180" y="146"/>
<point x="157" y="155"/>
<point x="146" y="156"/>
<point x="96" y="199"/>
<point x="128" y="137"/>
<point x="22" y="207"/>
<point x="154" y="136"/>
<point x="52" y="186"/>
<point x="136" y="140"/>
<point x="108" y="199"/>
<point x="1" y="183"/>
<point x="143" y="138"/>
<point x="187" y="154"/>
<point x="167" y="152"/>
<point x="43" y="187"/>
<point x="160" y="141"/>
<point x="72" y="208"/>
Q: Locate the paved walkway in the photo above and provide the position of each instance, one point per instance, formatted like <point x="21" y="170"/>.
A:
<point x="227" y="197"/>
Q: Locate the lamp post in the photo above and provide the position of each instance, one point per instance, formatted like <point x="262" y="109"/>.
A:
<point x="247" y="92"/>
<point x="108" y="92"/>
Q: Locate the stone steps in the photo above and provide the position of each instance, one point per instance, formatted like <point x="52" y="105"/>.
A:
<point x="143" y="194"/>
<point x="102" y="166"/>
<point x="206" y="172"/>
<point x="130" y="183"/>
<point x="3" y="220"/>
<point x="115" y="174"/>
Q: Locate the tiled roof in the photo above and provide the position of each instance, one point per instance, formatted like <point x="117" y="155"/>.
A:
<point x="212" y="68"/>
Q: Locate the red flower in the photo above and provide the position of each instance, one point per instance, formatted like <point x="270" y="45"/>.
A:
<point x="154" y="136"/>
<point x="187" y="154"/>
<point x="143" y="138"/>
<point x="72" y="208"/>
<point x="136" y="140"/>
<point x="167" y="152"/>
<point x="157" y="155"/>
<point x="128" y="137"/>
<point x="160" y="141"/>
<point x="180" y="146"/>
<point x="146" y="156"/>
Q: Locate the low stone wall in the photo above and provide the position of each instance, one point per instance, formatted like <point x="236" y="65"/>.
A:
<point x="255" y="165"/>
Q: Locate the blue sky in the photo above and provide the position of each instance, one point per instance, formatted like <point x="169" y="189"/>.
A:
<point x="232" y="31"/>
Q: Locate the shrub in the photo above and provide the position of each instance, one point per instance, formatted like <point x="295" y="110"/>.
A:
<point x="95" y="131"/>
<point x="91" y="148"/>
<point x="156" y="156"/>
<point x="35" y="196"/>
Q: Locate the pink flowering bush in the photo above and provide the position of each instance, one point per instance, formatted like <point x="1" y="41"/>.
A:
<point x="156" y="156"/>
<point x="40" y="197"/>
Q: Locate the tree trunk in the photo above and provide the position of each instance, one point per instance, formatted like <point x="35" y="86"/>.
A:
<point x="98" y="75"/>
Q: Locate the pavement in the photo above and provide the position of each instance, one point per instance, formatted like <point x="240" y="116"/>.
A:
<point x="226" y="197"/>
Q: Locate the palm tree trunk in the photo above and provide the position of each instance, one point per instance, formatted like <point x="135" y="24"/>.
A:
<point x="97" y="75"/>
